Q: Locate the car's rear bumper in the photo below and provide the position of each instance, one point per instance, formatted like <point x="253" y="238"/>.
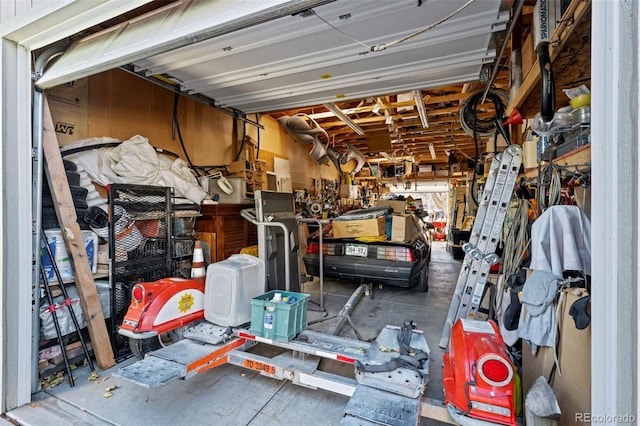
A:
<point x="358" y="269"/>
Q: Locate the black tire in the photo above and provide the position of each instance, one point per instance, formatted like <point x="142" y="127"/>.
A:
<point x="70" y="165"/>
<point x="423" y="282"/>
<point x="50" y="219"/>
<point x="140" y="347"/>
<point x="78" y="195"/>
<point x="73" y="178"/>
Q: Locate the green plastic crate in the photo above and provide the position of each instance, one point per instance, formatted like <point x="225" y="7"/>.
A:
<point x="278" y="320"/>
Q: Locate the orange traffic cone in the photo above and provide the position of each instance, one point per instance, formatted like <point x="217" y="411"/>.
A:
<point x="198" y="272"/>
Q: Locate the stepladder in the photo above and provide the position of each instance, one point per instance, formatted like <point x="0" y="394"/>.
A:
<point x="483" y="241"/>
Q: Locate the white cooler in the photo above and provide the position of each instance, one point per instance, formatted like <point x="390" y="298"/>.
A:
<point x="230" y="286"/>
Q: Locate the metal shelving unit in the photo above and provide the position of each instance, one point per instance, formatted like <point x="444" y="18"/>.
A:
<point x="140" y="246"/>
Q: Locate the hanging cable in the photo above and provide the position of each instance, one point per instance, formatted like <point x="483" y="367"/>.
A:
<point x="339" y="30"/>
<point x="477" y="159"/>
<point x="516" y="242"/>
<point x="383" y="46"/>
<point x="483" y="127"/>
<point x="555" y="187"/>
<point x="516" y="246"/>
<point x="244" y="133"/>
<point x="258" y="137"/>
<point x="176" y="127"/>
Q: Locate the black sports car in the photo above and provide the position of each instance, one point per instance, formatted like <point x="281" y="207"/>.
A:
<point x="399" y="264"/>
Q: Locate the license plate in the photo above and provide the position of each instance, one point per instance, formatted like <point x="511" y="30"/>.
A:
<point x="260" y="366"/>
<point x="356" y="250"/>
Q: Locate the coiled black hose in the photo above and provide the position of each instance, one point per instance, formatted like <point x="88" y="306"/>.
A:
<point x="482" y="127"/>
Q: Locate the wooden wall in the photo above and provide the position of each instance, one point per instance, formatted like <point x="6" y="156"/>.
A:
<point x="121" y="105"/>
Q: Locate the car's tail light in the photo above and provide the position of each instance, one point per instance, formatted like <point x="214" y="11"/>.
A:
<point x="137" y="293"/>
<point x="495" y="370"/>
<point x="395" y="253"/>
<point x="329" y="249"/>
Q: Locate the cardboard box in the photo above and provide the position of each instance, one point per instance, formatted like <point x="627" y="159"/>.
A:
<point x="402" y="227"/>
<point x="238" y="166"/>
<point x="397" y="205"/>
<point x="260" y="177"/>
<point x="573" y="387"/>
<point x="261" y="166"/>
<point x="364" y="173"/>
<point x="245" y="174"/>
<point x="259" y="186"/>
<point x="359" y="228"/>
<point x="349" y="191"/>
<point x="69" y="104"/>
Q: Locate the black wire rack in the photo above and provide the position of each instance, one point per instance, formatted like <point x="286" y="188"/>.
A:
<point x="140" y="247"/>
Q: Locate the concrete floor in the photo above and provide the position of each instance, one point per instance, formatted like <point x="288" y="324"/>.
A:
<point x="230" y="395"/>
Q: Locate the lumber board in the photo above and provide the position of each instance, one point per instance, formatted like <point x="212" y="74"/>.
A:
<point x="65" y="211"/>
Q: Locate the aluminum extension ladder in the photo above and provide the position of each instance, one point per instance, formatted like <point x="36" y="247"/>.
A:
<point x="485" y="235"/>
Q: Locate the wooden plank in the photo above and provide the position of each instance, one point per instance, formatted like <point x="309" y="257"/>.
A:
<point x="434" y="409"/>
<point x="579" y="157"/>
<point x="63" y="203"/>
<point x="570" y="37"/>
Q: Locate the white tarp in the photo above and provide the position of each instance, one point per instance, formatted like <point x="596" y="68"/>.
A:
<point x="135" y="161"/>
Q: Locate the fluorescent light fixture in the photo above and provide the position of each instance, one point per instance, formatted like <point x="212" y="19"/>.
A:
<point x="422" y="111"/>
<point x="338" y="113"/>
<point x="432" y="151"/>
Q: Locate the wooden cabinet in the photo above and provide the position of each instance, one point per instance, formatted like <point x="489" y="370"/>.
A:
<point x="226" y="232"/>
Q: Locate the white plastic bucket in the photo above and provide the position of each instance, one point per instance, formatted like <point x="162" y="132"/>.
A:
<point x="62" y="259"/>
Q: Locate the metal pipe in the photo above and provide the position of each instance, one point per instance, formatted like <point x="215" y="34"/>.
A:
<point x="36" y="206"/>
<point x="250" y="216"/>
<point x="344" y="312"/>
<point x="65" y="294"/>
<point x="320" y="257"/>
<point x="56" y="323"/>
<point x="287" y="250"/>
<point x="494" y="72"/>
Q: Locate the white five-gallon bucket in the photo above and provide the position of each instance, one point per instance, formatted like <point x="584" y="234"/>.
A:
<point x="63" y="261"/>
